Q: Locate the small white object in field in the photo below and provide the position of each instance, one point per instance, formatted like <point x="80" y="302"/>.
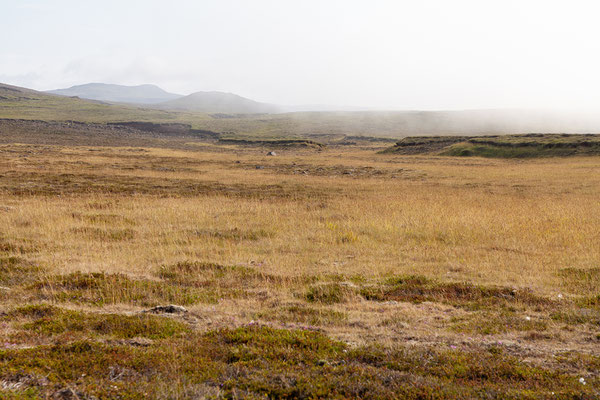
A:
<point x="271" y="153"/>
<point x="582" y="381"/>
<point x="528" y="318"/>
<point x="560" y="296"/>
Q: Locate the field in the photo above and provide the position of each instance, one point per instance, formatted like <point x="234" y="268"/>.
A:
<point x="324" y="271"/>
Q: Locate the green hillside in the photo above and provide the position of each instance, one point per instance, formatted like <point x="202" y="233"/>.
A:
<point x="21" y="103"/>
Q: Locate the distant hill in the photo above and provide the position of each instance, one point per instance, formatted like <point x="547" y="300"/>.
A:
<point x="218" y="102"/>
<point x="21" y="103"/>
<point x="9" y="92"/>
<point x="224" y="112"/>
<point x="142" y="94"/>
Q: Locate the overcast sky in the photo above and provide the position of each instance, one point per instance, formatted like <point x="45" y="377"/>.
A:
<point x="392" y="54"/>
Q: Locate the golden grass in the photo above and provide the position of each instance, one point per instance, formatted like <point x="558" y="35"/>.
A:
<point x="341" y="240"/>
<point x="502" y="222"/>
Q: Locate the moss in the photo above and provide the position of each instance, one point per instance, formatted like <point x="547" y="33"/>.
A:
<point x="26" y="394"/>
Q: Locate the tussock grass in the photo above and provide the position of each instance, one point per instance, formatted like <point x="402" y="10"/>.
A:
<point x="16" y="270"/>
<point x="205" y="274"/>
<point x="490" y="323"/>
<point x="232" y="234"/>
<point x="102" y="289"/>
<point x="102" y="219"/>
<point x="48" y="320"/>
<point x="578" y="316"/>
<point x="576" y="280"/>
<point x="105" y="234"/>
<point x="303" y="314"/>
<point x="330" y="293"/>
<point x="16" y="246"/>
<point x="418" y="289"/>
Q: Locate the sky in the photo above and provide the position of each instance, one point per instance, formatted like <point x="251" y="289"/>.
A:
<point x="386" y="54"/>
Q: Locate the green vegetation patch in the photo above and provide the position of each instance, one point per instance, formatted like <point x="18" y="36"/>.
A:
<point x="417" y="289"/>
<point x="495" y="151"/>
<point x="100" y="234"/>
<point x="303" y="314"/>
<point x="488" y="323"/>
<point x="500" y="146"/>
<point x="258" y="362"/>
<point x="15" y="270"/>
<point x="234" y="234"/>
<point x="49" y="320"/>
<point x="33" y="183"/>
<point x="102" y="288"/>
<point x="16" y="246"/>
<point x="210" y="275"/>
<point x="104" y="219"/>
<point x="581" y="280"/>
<point x="578" y="316"/>
<point x="331" y="293"/>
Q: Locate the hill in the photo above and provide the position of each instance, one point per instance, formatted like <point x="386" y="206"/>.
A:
<point x="141" y="94"/>
<point x="224" y="112"/>
<point x="21" y="103"/>
<point x="12" y="93"/>
<point x="219" y="102"/>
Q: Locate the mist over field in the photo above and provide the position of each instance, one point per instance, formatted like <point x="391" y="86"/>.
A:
<point x="386" y="55"/>
<point x="520" y="66"/>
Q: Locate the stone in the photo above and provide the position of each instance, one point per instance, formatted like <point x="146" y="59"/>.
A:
<point x="169" y="309"/>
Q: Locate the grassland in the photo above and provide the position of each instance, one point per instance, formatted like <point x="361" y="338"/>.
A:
<point x="322" y="272"/>
<point x="505" y="146"/>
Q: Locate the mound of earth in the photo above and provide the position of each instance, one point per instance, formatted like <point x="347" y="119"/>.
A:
<point x="500" y="146"/>
<point x="281" y="143"/>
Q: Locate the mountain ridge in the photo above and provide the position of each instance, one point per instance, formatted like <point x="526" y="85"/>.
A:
<point x="219" y="102"/>
<point x="156" y="97"/>
<point x="18" y="102"/>
<point x="138" y="94"/>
